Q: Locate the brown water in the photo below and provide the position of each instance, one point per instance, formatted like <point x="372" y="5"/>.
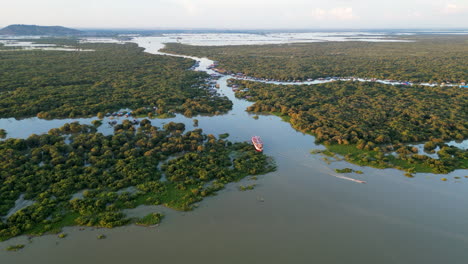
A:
<point x="299" y="214"/>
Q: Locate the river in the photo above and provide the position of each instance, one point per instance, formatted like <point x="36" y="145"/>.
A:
<point x="302" y="213"/>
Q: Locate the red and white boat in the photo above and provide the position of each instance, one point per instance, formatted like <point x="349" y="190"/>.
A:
<point x="258" y="144"/>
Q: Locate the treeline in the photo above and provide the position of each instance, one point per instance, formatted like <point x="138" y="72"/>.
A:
<point x="369" y="116"/>
<point x="61" y="84"/>
<point x="7" y="48"/>
<point x="52" y="169"/>
<point x="436" y="59"/>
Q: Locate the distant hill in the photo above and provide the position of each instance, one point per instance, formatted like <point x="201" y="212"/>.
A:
<point x="31" y="30"/>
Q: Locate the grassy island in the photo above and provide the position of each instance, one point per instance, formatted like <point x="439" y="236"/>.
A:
<point x="84" y="181"/>
<point x="372" y="124"/>
<point x="61" y="84"/>
<point x="150" y="219"/>
<point x="15" y="247"/>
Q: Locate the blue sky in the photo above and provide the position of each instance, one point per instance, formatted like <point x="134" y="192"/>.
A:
<point x="238" y="14"/>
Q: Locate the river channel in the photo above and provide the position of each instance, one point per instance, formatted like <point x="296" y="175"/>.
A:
<point x="302" y="213"/>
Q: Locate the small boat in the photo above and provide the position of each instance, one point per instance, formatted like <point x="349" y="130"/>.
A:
<point x="258" y="144"/>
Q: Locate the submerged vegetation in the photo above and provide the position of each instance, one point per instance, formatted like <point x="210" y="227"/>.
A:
<point x="62" y="84"/>
<point x="348" y="170"/>
<point x="246" y="188"/>
<point x="150" y="219"/>
<point x="15" y="247"/>
<point x="435" y="59"/>
<point x="345" y="170"/>
<point x="224" y="135"/>
<point x="84" y="182"/>
<point x="366" y="122"/>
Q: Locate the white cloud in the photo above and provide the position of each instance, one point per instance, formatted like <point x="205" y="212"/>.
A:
<point x="343" y="13"/>
<point x="452" y="9"/>
<point x="248" y="14"/>
<point x="190" y="7"/>
<point x="340" y="13"/>
<point x="319" y="13"/>
<point x="416" y="14"/>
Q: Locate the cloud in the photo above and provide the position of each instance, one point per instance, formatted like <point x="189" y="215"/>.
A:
<point x="339" y="13"/>
<point x="343" y="13"/>
<point x="319" y="13"/>
<point x="453" y="9"/>
<point x="417" y="14"/>
<point x="190" y="7"/>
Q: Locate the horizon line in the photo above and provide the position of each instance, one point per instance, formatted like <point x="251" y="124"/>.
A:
<point x="259" y="29"/>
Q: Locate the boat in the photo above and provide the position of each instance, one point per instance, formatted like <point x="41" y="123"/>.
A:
<point x="258" y="144"/>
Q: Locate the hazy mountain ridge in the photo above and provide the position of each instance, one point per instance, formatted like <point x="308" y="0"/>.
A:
<point x="31" y="30"/>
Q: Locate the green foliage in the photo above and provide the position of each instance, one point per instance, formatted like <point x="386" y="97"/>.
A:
<point x="8" y="48"/>
<point x="438" y="58"/>
<point x="163" y="115"/>
<point x="3" y="133"/>
<point x="15" y="247"/>
<point x="348" y="170"/>
<point x="96" y="123"/>
<point x="61" y="84"/>
<point x="223" y="136"/>
<point x="325" y="152"/>
<point x="361" y="120"/>
<point x="150" y="219"/>
<point x="246" y="188"/>
<point x="364" y="122"/>
<point x="366" y="114"/>
<point x="49" y="171"/>
<point x="405" y="161"/>
<point x="345" y="170"/>
<point x="172" y="126"/>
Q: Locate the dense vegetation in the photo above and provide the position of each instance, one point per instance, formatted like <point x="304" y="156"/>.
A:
<point x="364" y="120"/>
<point x="8" y="48"/>
<point x="76" y="175"/>
<point x="435" y="59"/>
<point x="60" y="84"/>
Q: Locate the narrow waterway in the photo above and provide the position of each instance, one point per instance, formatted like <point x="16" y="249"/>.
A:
<point x="301" y="213"/>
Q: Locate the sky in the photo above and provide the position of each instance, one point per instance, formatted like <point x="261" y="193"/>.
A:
<point x="238" y="14"/>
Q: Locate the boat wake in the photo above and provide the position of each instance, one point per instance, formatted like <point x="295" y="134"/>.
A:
<point x="347" y="178"/>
